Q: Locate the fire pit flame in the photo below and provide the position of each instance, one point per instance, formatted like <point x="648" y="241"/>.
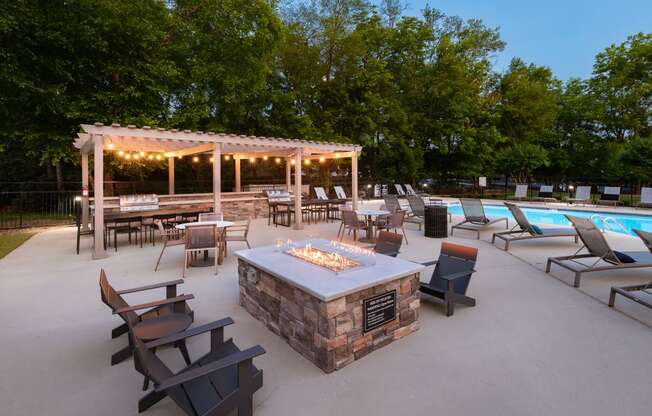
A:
<point x="332" y="261"/>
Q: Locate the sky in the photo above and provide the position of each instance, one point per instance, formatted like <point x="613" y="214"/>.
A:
<point x="562" y="35"/>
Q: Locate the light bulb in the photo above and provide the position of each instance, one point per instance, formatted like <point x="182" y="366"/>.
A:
<point x="264" y="157"/>
<point x="158" y="157"/>
<point x="128" y="156"/>
<point x="195" y="159"/>
<point x="150" y="157"/>
<point x="252" y="159"/>
<point x="227" y="157"/>
<point x="212" y="159"/>
<point x="110" y="146"/>
<point x="322" y="159"/>
<point x="278" y="160"/>
<point x="142" y="153"/>
<point x="121" y="153"/>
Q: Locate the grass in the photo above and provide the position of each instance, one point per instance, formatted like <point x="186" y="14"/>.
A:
<point x="12" y="240"/>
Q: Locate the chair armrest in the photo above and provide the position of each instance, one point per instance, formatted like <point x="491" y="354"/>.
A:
<point x="457" y="275"/>
<point x="149" y="287"/>
<point x="190" y="333"/>
<point x="155" y="303"/>
<point x="205" y="370"/>
<point x="429" y="263"/>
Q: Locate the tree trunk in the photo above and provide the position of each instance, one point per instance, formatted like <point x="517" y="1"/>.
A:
<point x="59" y="168"/>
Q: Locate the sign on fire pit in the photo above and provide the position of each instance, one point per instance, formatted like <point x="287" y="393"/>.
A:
<point x="378" y="310"/>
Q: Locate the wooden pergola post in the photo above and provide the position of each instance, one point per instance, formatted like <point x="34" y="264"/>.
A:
<point x="354" y="179"/>
<point x="237" y="174"/>
<point x="170" y="175"/>
<point x="217" y="177"/>
<point x="84" y="201"/>
<point x="98" y="193"/>
<point x="298" y="217"/>
<point x="288" y="173"/>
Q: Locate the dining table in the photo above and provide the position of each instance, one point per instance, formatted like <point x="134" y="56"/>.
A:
<point x="205" y="262"/>
<point x="370" y="214"/>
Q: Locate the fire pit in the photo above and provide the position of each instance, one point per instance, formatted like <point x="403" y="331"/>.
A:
<point x="332" y="261"/>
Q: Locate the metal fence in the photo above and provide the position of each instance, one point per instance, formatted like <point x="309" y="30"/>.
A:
<point x="24" y="209"/>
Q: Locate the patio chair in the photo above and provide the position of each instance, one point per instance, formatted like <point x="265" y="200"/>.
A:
<point x="646" y="198"/>
<point x="610" y="196"/>
<point x="339" y="191"/>
<point x="606" y="259"/>
<point x="452" y="275"/>
<point x="520" y="193"/>
<point x="201" y="238"/>
<point x="409" y="190"/>
<point x="171" y="237"/>
<point x="399" y="189"/>
<point x="545" y="194"/>
<point x="218" y="383"/>
<point x="582" y="195"/>
<point x="417" y="210"/>
<point x="156" y="314"/>
<point x="641" y="294"/>
<point x="523" y="230"/>
<point x="211" y="216"/>
<point x="388" y="243"/>
<point x="125" y="226"/>
<point x="351" y="222"/>
<point x="391" y="203"/>
<point x="237" y="232"/>
<point x="395" y="221"/>
<point x="475" y="218"/>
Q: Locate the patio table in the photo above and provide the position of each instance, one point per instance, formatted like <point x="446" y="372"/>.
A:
<point x="371" y="229"/>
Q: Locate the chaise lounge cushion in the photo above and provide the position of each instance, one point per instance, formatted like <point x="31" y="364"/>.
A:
<point x="624" y="258"/>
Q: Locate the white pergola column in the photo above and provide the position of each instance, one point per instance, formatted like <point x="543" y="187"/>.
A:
<point x="98" y="190"/>
<point x="84" y="201"/>
<point x="298" y="217"/>
<point x="354" y="180"/>
<point x="170" y="175"/>
<point x="237" y="175"/>
<point x="288" y="173"/>
<point x="217" y="177"/>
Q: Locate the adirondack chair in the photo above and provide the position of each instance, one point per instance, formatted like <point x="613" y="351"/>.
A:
<point x="451" y="276"/>
<point x="159" y="313"/>
<point x="218" y="383"/>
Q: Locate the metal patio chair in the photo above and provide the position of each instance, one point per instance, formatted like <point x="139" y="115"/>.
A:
<point x="388" y="243"/>
<point x="201" y="238"/>
<point x="171" y="237"/>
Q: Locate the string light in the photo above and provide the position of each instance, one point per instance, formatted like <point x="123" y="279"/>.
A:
<point x="212" y="160"/>
<point x="142" y="153"/>
<point x="110" y="146"/>
<point x="158" y="157"/>
<point x="252" y="159"/>
<point x="307" y="162"/>
<point x="121" y="153"/>
<point x="278" y="160"/>
<point x="136" y="156"/>
<point x="127" y="156"/>
<point x="195" y="159"/>
<point x="264" y="157"/>
<point x="150" y="157"/>
<point x="227" y="157"/>
<point x="179" y="157"/>
<point x="322" y="159"/>
<point x="168" y="154"/>
<point x="337" y="155"/>
<point x="293" y="162"/>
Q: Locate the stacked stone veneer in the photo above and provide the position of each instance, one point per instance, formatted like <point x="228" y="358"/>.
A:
<point x="330" y="334"/>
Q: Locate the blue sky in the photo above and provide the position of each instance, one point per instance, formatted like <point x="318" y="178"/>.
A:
<point x="562" y="35"/>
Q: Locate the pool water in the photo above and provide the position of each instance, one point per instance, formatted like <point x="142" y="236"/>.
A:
<point x="556" y="217"/>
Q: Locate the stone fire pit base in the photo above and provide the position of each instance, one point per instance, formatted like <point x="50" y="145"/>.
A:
<point x="328" y="333"/>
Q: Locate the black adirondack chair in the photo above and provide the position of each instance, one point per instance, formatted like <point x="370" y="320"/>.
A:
<point x="452" y="275"/>
<point x="388" y="243"/>
<point x="165" y="316"/>
<point x="221" y="381"/>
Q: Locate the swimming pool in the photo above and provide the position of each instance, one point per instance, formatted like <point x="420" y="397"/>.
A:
<point x="556" y="217"/>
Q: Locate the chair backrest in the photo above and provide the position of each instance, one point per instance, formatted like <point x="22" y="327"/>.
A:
<point x="611" y="193"/>
<point x="211" y="216"/>
<point x="583" y="193"/>
<point x="321" y="193"/>
<point x="378" y="191"/>
<point x="396" y="219"/>
<point x="388" y="243"/>
<point x="545" y="191"/>
<point x="349" y="218"/>
<point x="520" y="218"/>
<point x="521" y="191"/>
<point x="339" y="191"/>
<point x="200" y="237"/>
<point x="593" y="239"/>
<point x="473" y="209"/>
<point x="391" y="203"/>
<point x="453" y="259"/>
<point x="399" y="189"/>
<point x="114" y="301"/>
<point x="646" y="195"/>
<point x="646" y="237"/>
<point x="409" y="189"/>
<point x="417" y="205"/>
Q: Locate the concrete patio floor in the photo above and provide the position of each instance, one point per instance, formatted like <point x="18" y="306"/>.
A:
<point x="533" y="345"/>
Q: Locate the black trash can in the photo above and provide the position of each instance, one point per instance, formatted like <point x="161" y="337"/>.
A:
<point x="435" y="221"/>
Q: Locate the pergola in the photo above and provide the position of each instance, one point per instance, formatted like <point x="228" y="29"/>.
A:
<point x="96" y="138"/>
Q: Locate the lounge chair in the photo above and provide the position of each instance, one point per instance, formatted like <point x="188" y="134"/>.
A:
<point x="388" y="243"/>
<point x="418" y="208"/>
<point x="646" y="198"/>
<point x="545" y="194"/>
<point x="339" y="191"/>
<point x="391" y="203"/>
<point x="399" y="189"/>
<point x="320" y="193"/>
<point x="526" y="231"/>
<point x="641" y="294"/>
<point x="582" y="195"/>
<point x="452" y="275"/>
<point x="520" y="193"/>
<point x="605" y="258"/>
<point x="475" y="218"/>
<point x="409" y="190"/>
<point x="218" y="383"/>
<point x="158" y="312"/>
<point x="610" y="196"/>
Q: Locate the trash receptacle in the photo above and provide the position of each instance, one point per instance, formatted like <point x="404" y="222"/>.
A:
<point x="436" y="221"/>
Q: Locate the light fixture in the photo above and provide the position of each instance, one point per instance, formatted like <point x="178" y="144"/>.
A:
<point x="168" y="154"/>
<point x="252" y="159"/>
<point x="78" y="198"/>
<point x="158" y="157"/>
<point x="150" y="157"/>
<point x="179" y="157"/>
<point x="127" y="156"/>
<point x="110" y="146"/>
<point x="306" y="162"/>
<point x="322" y="159"/>
<point x="227" y="157"/>
<point x="278" y="160"/>
<point x="136" y="156"/>
<point x="337" y="155"/>
<point x="212" y="159"/>
<point x="142" y="153"/>
<point x="195" y="159"/>
<point x="293" y="162"/>
<point x="368" y="186"/>
<point x="121" y="153"/>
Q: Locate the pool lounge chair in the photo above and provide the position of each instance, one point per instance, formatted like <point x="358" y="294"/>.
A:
<point x="545" y="194"/>
<point x="399" y="189"/>
<point x="391" y="203"/>
<point x="646" y="198"/>
<point x="320" y="193"/>
<point x="605" y="258"/>
<point x="475" y="218"/>
<point x="582" y="194"/>
<point x="520" y="193"/>
<point x="527" y="231"/>
<point x="641" y="294"/>
<point x="339" y="191"/>
<point x="409" y="190"/>
<point x="610" y="196"/>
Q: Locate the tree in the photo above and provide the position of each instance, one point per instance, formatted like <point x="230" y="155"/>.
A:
<point x="521" y="160"/>
<point x="637" y="157"/>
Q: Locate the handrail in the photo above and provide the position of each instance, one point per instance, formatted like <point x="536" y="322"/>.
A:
<point x="608" y="223"/>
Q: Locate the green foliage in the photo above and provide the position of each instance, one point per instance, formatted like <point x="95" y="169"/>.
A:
<point x="637" y="157"/>
<point x="520" y="160"/>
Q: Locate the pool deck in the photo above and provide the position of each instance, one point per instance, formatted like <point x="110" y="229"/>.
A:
<point x="533" y="345"/>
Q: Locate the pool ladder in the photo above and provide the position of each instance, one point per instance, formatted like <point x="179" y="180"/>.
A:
<point x="608" y="223"/>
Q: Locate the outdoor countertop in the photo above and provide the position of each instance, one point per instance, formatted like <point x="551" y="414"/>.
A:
<point x="323" y="283"/>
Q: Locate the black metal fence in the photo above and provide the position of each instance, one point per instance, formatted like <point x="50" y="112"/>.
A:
<point x="24" y="209"/>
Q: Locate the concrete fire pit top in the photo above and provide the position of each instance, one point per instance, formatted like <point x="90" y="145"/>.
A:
<point x="320" y="282"/>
